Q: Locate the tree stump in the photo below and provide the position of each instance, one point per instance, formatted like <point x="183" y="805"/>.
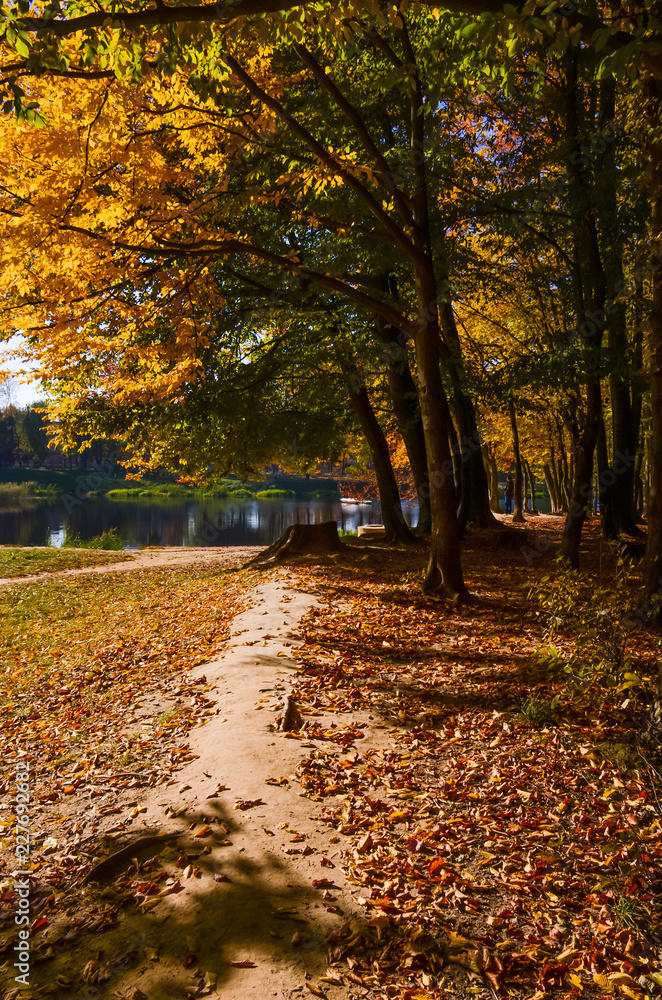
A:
<point x="300" y="540"/>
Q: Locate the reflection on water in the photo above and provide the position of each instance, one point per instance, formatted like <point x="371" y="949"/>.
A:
<point x="155" y="521"/>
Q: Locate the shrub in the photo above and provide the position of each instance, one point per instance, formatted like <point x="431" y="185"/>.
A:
<point x="240" y="494"/>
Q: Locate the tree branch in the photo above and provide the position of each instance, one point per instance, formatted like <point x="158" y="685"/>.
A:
<point x="399" y="238"/>
<point x="361" y="129"/>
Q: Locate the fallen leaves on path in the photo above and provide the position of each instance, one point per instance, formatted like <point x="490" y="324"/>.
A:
<point x="512" y="855"/>
<point x="95" y="694"/>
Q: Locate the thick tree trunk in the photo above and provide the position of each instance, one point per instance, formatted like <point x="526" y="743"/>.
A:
<point x="474" y="506"/>
<point x="393" y="518"/>
<point x="444" y="570"/>
<point x="518" y="516"/>
<point x="589" y="292"/>
<point x="406" y="408"/>
<point x="299" y="540"/>
<point x="619" y="480"/>
<point x="653" y="566"/>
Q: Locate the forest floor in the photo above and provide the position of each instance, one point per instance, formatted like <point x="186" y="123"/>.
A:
<point x="457" y="805"/>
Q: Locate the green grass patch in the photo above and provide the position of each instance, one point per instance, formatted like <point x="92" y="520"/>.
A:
<point x="537" y="711"/>
<point x="17" y="562"/>
<point x="273" y="494"/>
<point x="241" y="494"/>
<point x="109" y="541"/>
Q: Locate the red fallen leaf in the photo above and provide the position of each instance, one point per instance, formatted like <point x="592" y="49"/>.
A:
<point x="41" y="922"/>
<point x="276" y="781"/>
<point x="324" y="883"/>
<point x="189" y="961"/>
<point x="436" y="865"/>
<point x="551" y="975"/>
<point x="220" y="877"/>
<point x="327" y="864"/>
<point x="365" y="843"/>
<point x="248" y="803"/>
<point x="246" y="964"/>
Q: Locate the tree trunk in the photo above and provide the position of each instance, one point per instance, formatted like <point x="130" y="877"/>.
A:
<point x="474" y="505"/>
<point x="393" y="518"/>
<point x="589" y="293"/>
<point x="618" y="482"/>
<point x="404" y="395"/>
<point x="653" y="566"/>
<point x="298" y="540"/>
<point x="532" y="484"/>
<point x="492" y="478"/>
<point x="518" y="516"/>
<point x="605" y="495"/>
<point x="444" y="570"/>
<point x="551" y="488"/>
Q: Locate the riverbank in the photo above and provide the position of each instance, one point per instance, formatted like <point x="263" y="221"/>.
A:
<point x="90" y="484"/>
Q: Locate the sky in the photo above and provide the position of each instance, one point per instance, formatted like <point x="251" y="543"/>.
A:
<point x="20" y="393"/>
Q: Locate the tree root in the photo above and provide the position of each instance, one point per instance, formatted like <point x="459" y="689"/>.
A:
<point x="299" y="540"/>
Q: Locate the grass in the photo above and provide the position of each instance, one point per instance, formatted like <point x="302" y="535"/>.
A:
<point x="17" y="562"/>
<point x="537" y="711"/>
<point x="13" y="491"/>
<point x="108" y="541"/>
<point x="628" y="913"/>
<point x="273" y="494"/>
<point x="81" y="651"/>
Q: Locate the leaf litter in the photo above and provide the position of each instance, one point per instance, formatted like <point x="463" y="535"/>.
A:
<point x="486" y="852"/>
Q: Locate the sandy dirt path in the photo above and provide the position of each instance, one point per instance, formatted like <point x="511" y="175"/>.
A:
<point x="225" y="557"/>
<point x="254" y="901"/>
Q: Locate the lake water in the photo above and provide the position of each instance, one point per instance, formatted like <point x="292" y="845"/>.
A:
<point x="152" y="521"/>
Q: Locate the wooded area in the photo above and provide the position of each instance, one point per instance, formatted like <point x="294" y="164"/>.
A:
<point x="429" y="235"/>
<point x="228" y="230"/>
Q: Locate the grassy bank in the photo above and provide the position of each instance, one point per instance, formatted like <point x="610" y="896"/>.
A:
<point x="17" y="562"/>
<point x="89" y="484"/>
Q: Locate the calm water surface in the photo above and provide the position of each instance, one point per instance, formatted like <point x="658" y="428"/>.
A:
<point x="153" y="521"/>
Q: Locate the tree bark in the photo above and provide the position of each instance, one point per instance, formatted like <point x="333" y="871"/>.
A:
<point x="518" y="516"/>
<point x="551" y="488"/>
<point x="406" y="408"/>
<point x="618" y="483"/>
<point x="604" y="489"/>
<point x="397" y="529"/>
<point x="589" y="292"/>
<point x="298" y="540"/>
<point x="532" y="484"/>
<point x="492" y="477"/>
<point x="653" y="565"/>
<point x="444" y="570"/>
<point x="474" y="507"/>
